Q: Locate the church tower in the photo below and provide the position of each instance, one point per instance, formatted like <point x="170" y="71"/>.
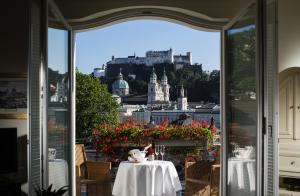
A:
<point x="165" y="87"/>
<point x="182" y="100"/>
<point x="152" y="87"/>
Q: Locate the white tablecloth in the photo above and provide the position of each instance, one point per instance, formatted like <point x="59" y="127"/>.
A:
<point x="151" y="178"/>
<point x="58" y="173"/>
<point x="241" y="176"/>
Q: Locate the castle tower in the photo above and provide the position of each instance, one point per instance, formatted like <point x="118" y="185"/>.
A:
<point x="165" y="87"/>
<point x="182" y="100"/>
<point x="189" y="54"/>
<point x="170" y="55"/>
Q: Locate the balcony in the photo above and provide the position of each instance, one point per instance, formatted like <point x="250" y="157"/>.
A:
<point x="189" y="147"/>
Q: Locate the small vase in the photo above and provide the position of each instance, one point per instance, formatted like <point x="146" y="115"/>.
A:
<point x="151" y="157"/>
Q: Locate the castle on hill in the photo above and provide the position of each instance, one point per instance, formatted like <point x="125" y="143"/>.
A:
<point x="154" y="57"/>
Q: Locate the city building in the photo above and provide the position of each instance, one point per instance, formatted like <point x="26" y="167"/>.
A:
<point x="60" y="94"/>
<point x="158" y="92"/>
<point x="120" y="86"/>
<point x="204" y="114"/>
<point x="154" y="57"/>
<point x="99" y="72"/>
<point x="142" y="115"/>
<point x="117" y="98"/>
<point x="126" y="111"/>
<point x="182" y="103"/>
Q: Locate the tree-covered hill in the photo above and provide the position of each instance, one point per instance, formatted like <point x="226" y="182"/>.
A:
<point x="200" y="85"/>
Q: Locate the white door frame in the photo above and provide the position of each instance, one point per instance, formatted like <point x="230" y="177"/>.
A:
<point x="261" y="126"/>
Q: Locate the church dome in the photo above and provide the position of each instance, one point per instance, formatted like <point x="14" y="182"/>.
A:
<point x="120" y="84"/>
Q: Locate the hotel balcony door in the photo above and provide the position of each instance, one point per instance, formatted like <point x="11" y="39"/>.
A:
<point x="242" y="106"/>
<point x="58" y="138"/>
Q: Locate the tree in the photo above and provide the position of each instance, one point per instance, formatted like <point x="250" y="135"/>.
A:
<point x="94" y="105"/>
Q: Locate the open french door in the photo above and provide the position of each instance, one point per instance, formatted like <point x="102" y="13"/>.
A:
<point x="242" y="104"/>
<point x="59" y="102"/>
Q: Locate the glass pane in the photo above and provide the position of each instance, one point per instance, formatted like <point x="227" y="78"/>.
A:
<point x="241" y="105"/>
<point x="58" y="108"/>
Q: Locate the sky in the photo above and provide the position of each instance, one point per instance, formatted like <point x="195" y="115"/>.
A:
<point x="96" y="47"/>
<point x="58" y="50"/>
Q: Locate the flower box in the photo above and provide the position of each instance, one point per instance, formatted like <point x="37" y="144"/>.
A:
<point x="133" y="134"/>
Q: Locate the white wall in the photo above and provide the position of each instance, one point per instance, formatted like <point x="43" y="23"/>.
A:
<point x="288" y="34"/>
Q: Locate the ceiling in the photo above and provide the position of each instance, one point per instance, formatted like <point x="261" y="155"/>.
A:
<point x="86" y="14"/>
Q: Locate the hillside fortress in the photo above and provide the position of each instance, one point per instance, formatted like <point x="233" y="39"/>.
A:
<point x="154" y="57"/>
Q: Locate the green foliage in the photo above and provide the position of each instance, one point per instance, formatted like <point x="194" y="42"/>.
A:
<point x="243" y="49"/>
<point x="200" y="86"/>
<point x="49" y="192"/>
<point x="138" y="86"/>
<point x="94" y="105"/>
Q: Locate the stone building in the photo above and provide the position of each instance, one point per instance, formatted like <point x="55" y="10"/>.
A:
<point x="61" y="92"/>
<point x="99" y="72"/>
<point x="154" y="57"/>
<point x="182" y="103"/>
<point x="158" y="92"/>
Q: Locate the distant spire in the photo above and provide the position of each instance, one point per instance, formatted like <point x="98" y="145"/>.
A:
<point x="120" y="74"/>
<point x="182" y="91"/>
<point x="153" y="69"/>
<point x="164" y="78"/>
<point x="153" y="76"/>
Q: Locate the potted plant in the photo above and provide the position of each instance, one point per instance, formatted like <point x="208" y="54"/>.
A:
<point x="49" y="192"/>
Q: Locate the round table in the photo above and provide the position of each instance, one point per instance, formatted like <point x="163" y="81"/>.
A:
<point x="150" y="178"/>
<point x="241" y="176"/>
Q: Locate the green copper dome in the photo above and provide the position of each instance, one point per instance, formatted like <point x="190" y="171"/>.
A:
<point x="120" y="84"/>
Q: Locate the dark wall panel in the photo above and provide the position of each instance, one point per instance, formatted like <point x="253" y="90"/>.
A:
<point x="14" y="36"/>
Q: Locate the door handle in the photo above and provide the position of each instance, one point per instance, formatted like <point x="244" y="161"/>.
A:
<point x="293" y="162"/>
<point x="291" y="107"/>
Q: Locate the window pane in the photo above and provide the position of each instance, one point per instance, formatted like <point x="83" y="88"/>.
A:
<point x="58" y="108"/>
<point x="241" y="105"/>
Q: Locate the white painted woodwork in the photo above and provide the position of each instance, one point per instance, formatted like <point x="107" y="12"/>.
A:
<point x="286" y="108"/>
<point x="289" y="164"/>
<point x="289" y="126"/>
<point x="283" y="192"/>
<point x="297" y="107"/>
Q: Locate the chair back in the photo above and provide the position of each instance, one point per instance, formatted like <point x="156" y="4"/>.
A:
<point x="80" y="155"/>
<point x="80" y="160"/>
